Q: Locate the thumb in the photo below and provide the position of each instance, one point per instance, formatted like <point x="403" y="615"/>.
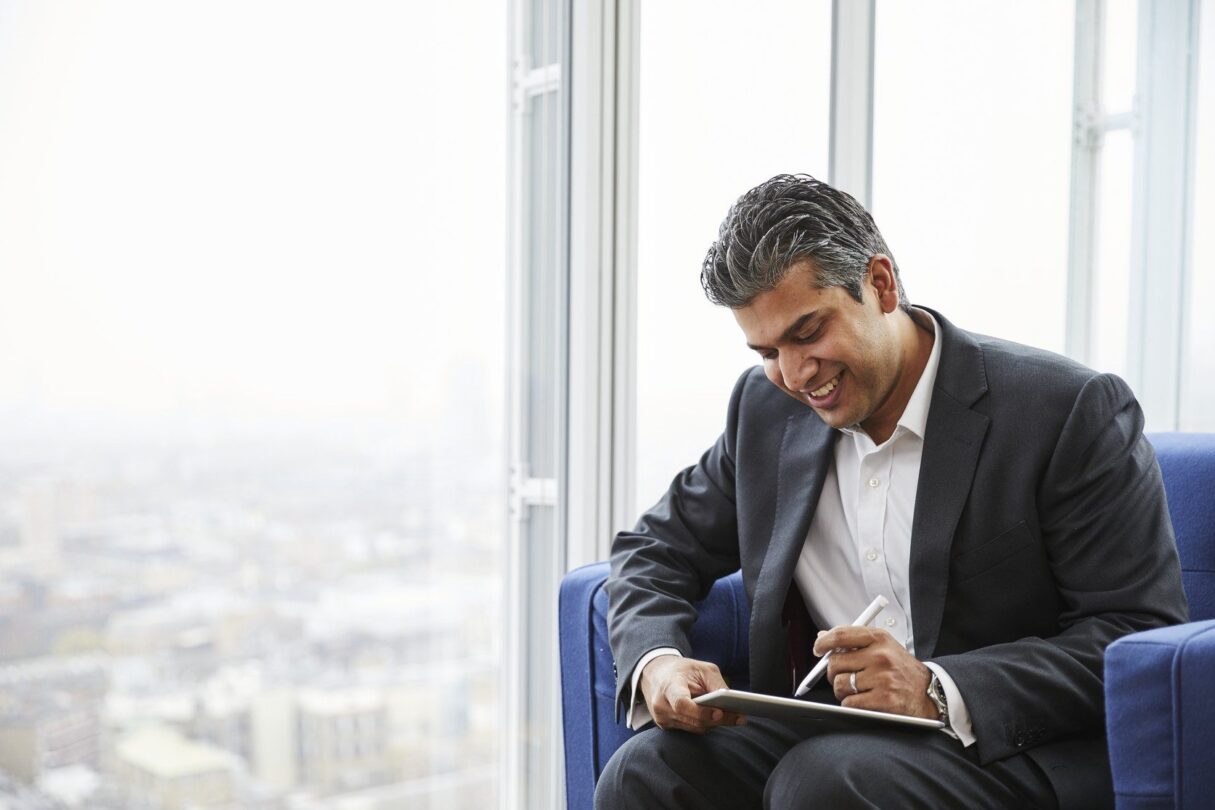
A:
<point x="677" y="689"/>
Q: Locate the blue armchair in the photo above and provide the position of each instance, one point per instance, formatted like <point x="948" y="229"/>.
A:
<point x="1160" y="685"/>
<point x="588" y="683"/>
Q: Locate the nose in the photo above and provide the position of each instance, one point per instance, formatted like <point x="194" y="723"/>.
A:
<point x="797" y="369"/>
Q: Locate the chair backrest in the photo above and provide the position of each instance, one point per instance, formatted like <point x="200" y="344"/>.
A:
<point x="1187" y="462"/>
<point x="588" y="683"/>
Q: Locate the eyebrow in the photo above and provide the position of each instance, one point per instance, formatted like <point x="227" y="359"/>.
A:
<point x="793" y="329"/>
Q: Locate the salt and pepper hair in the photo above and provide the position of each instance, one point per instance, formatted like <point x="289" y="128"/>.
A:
<point x="790" y="218"/>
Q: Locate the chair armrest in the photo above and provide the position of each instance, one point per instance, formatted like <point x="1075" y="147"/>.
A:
<point x="1160" y="708"/>
<point x="588" y="683"/>
<point x="579" y="658"/>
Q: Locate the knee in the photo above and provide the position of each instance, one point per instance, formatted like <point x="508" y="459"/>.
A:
<point x="660" y="769"/>
<point x="831" y="771"/>
<point x="611" y="790"/>
<point x="621" y="783"/>
<point x="807" y="770"/>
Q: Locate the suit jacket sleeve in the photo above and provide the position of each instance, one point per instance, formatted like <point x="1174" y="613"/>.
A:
<point x="671" y="559"/>
<point x="1110" y="547"/>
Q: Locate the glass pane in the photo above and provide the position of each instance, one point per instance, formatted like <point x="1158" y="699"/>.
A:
<point x="251" y="500"/>
<point x="544" y="31"/>
<point x="542" y="304"/>
<point x="1119" y="47"/>
<point x="731" y="94"/>
<point x="972" y="150"/>
<point x="1198" y="369"/>
<point x="1112" y="267"/>
<point x="539" y="692"/>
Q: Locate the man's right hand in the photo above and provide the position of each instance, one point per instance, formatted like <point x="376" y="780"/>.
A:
<point x="669" y="683"/>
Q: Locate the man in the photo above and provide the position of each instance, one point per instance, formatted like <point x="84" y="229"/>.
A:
<point x="1003" y="499"/>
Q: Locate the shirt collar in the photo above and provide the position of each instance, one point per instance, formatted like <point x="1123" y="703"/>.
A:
<point x="915" y="415"/>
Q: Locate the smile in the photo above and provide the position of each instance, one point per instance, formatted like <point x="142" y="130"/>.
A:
<point x="827" y="388"/>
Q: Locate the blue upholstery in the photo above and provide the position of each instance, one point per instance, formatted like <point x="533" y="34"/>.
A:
<point x="1160" y="685"/>
<point x="588" y="686"/>
<point x="1160" y="705"/>
<point x="1187" y="461"/>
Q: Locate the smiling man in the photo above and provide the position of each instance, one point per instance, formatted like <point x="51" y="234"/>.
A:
<point x="1002" y="499"/>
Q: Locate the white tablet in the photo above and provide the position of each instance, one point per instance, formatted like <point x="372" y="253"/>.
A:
<point x="788" y="708"/>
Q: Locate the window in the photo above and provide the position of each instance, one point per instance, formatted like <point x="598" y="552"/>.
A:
<point x="1198" y="368"/>
<point x="251" y="453"/>
<point x="538" y="269"/>
<point x="730" y="96"/>
<point x="1106" y="133"/>
<point x="972" y="124"/>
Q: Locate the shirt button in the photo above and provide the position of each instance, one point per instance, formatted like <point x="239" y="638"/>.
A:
<point x="871" y="555"/>
<point x="873" y="482"/>
<point x="891" y="622"/>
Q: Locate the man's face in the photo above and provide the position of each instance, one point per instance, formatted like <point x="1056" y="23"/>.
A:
<point x="826" y="350"/>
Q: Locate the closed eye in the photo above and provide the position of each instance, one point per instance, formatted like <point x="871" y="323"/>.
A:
<point x="811" y="337"/>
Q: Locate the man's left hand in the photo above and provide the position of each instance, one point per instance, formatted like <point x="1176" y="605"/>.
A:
<point x="888" y="678"/>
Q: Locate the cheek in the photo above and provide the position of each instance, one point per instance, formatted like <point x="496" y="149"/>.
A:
<point x="772" y="369"/>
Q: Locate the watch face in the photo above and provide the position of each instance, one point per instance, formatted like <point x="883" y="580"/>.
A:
<point x="936" y="693"/>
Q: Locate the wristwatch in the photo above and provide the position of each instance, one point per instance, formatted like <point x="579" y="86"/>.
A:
<point x="936" y="693"/>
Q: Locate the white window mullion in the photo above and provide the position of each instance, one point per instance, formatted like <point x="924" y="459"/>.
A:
<point x="852" y="42"/>
<point x="1164" y="159"/>
<point x="1086" y="146"/>
<point x="624" y="301"/>
<point x="539" y="276"/>
<point x="603" y="257"/>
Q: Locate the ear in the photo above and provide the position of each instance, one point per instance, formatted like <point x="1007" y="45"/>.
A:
<point x="880" y="276"/>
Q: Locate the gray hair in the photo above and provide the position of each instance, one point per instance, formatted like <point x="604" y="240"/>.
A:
<point x="790" y="218"/>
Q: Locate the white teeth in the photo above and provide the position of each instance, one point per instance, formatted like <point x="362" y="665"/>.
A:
<point x="826" y="389"/>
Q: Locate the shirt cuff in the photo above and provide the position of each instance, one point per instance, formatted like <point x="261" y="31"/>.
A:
<point x="959" y="716"/>
<point x="638" y="715"/>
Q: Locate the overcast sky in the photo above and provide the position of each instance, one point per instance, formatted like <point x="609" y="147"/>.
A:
<point x="289" y="212"/>
<point x="258" y="211"/>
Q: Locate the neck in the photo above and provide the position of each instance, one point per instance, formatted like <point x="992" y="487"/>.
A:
<point x="915" y="333"/>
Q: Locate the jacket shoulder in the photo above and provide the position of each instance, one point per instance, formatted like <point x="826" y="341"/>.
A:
<point x="756" y="398"/>
<point x="1015" y="366"/>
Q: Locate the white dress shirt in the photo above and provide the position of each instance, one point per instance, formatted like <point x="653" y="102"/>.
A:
<point x="859" y="542"/>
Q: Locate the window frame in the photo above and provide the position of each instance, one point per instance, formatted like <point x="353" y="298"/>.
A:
<point x="1162" y="123"/>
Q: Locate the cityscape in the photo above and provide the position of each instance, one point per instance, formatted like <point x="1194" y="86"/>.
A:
<point x="294" y="622"/>
<point x="253" y="509"/>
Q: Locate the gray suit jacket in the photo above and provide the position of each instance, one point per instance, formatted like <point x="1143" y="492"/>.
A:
<point x="1040" y="535"/>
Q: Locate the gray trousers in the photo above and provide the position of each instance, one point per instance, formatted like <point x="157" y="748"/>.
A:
<point x="817" y="764"/>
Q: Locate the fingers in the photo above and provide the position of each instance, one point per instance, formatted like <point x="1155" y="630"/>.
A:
<point x="871" y="700"/>
<point x="882" y="678"/>
<point x="848" y="637"/>
<point x="845" y="685"/>
<point x="847" y="661"/>
<point x="687" y="715"/>
<point x="887" y="677"/>
<point x="670" y="691"/>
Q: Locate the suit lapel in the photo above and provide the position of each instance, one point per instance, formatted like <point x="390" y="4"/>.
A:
<point x="805" y="453"/>
<point x="952" y="442"/>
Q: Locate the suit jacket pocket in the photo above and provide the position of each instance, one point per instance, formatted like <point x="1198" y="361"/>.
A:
<point x="993" y="552"/>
